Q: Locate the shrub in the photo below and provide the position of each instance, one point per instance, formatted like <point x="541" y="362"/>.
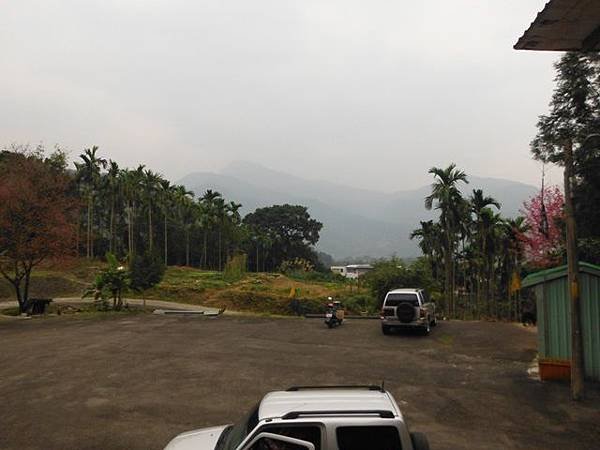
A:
<point x="295" y="265"/>
<point x="147" y="269"/>
<point x="395" y="274"/>
<point x="109" y="283"/>
<point x="235" y="268"/>
<point x="358" y="303"/>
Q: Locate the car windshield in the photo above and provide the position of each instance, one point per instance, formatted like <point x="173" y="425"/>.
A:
<point x="238" y="432"/>
<point x="395" y="299"/>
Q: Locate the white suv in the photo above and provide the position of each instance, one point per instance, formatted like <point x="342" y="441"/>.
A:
<point x="407" y="308"/>
<point x="313" y="418"/>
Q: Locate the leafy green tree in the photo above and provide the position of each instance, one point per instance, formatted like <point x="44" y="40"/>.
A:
<point x="395" y="274"/>
<point x="574" y="108"/>
<point x="147" y="269"/>
<point x="289" y="229"/>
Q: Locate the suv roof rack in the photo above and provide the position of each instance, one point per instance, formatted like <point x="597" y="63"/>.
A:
<point x="370" y="387"/>
<point x="384" y="414"/>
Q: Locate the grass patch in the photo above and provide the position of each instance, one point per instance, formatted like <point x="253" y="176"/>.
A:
<point x="78" y="310"/>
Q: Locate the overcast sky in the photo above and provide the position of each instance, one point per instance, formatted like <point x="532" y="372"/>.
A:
<point x="371" y="93"/>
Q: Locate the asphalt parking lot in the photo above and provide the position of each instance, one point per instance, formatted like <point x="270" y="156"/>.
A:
<point x="135" y="382"/>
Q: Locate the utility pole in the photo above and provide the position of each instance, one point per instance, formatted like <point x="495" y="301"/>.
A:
<point x="577" y="369"/>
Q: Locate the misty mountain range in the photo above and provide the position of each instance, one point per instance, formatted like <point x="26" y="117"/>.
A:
<point x="356" y="222"/>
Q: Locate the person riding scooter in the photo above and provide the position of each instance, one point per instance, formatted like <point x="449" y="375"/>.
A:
<point x="334" y="313"/>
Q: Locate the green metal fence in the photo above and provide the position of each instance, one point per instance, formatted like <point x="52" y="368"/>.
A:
<point x="554" y="311"/>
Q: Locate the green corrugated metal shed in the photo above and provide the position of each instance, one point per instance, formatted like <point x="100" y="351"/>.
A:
<point x="554" y="309"/>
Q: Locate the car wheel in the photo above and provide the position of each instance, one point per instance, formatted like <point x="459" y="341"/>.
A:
<point x="385" y="329"/>
<point x="419" y="441"/>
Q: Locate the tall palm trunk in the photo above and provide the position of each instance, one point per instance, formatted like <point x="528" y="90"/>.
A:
<point x="205" y="243"/>
<point x="166" y="240"/>
<point x="220" y="251"/>
<point x="447" y="278"/>
<point x="187" y="247"/>
<point x="150" y="239"/>
<point x="257" y="267"/>
<point x="112" y="226"/>
<point x="88" y="252"/>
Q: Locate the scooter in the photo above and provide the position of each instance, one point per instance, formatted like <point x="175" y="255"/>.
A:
<point x="334" y="314"/>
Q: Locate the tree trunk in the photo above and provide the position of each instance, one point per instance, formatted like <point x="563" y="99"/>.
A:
<point x="205" y="251"/>
<point x="150" y="227"/>
<point x="187" y="248"/>
<point x="89" y="227"/>
<point x="22" y="303"/>
<point x="166" y="240"/>
<point x="577" y="364"/>
<point x="447" y="280"/>
<point x="257" y="267"/>
<point x="112" y="227"/>
<point x="92" y="229"/>
<point x="220" y="251"/>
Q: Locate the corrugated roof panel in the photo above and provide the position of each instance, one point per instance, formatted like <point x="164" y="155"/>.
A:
<point x="564" y="25"/>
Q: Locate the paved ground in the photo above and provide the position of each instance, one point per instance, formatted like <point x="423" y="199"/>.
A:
<point x="134" y="382"/>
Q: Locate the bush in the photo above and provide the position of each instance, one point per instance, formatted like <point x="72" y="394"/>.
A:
<point x="395" y="274"/>
<point x="235" y="268"/>
<point x="147" y="269"/>
<point x="329" y="277"/>
<point x="110" y="282"/>
<point x="358" y="303"/>
<point x="295" y="265"/>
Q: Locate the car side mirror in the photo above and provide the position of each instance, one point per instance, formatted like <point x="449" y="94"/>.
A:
<point x="278" y="437"/>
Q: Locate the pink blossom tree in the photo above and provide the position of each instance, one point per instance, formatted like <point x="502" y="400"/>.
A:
<point x="543" y="241"/>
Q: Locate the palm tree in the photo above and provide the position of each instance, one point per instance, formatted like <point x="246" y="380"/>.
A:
<point x="150" y="185"/>
<point x="187" y="215"/>
<point x="512" y="245"/>
<point x="166" y="203"/>
<point x="113" y="187"/>
<point x="209" y="204"/>
<point x="233" y="220"/>
<point x="88" y="174"/>
<point x="430" y="238"/>
<point x="479" y="203"/>
<point x="492" y="229"/>
<point x="132" y="180"/>
<point x="448" y="199"/>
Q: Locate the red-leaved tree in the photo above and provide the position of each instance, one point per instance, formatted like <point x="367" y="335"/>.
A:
<point x="543" y="241"/>
<point x="36" y="217"/>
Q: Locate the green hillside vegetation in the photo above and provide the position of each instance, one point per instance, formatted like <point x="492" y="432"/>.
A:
<point x="270" y="293"/>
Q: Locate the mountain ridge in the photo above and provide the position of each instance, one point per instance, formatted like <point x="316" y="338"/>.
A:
<point x="356" y="222"/>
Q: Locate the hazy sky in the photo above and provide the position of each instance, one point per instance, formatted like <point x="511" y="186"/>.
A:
<point x="371" y="93"/>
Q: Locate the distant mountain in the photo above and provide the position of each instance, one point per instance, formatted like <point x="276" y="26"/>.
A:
<point x="356" y="222"/>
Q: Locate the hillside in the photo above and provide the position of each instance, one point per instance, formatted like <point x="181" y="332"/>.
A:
<point x="270" y="293"/>
<point x="357" y="222"/>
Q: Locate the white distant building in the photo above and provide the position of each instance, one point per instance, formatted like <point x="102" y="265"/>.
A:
<point x="352" y="271"/>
